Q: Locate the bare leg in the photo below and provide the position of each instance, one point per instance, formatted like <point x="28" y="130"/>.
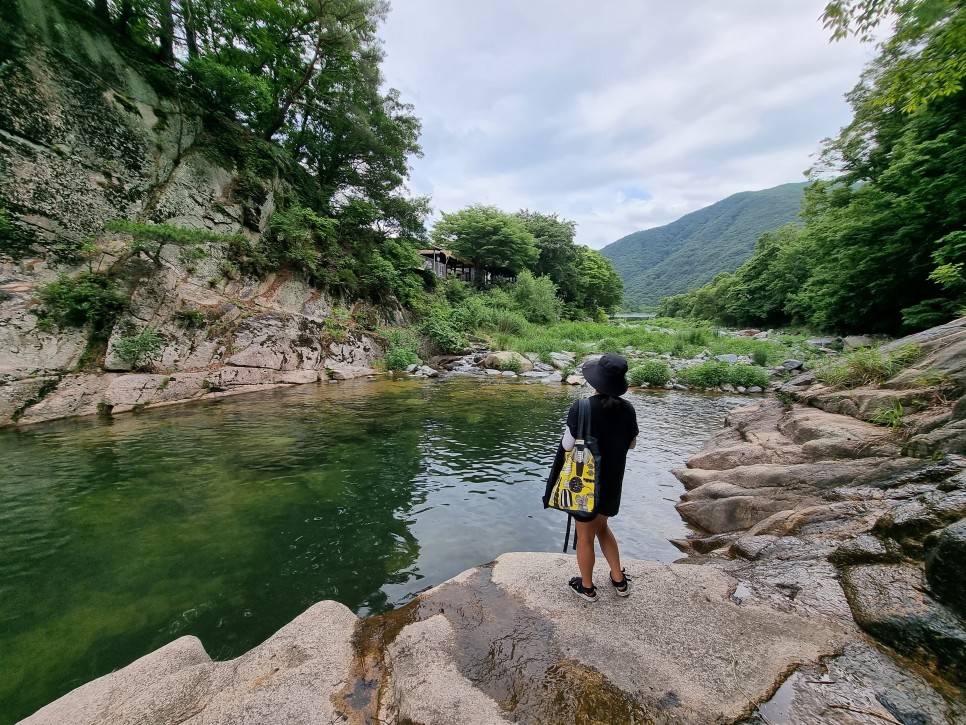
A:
<point x="608" y="545"/>
<point x="586" y="531"/>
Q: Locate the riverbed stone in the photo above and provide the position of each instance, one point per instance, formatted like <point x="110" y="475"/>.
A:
<point x="501" y="360"/>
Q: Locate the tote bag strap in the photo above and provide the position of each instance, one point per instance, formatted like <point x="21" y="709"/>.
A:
<point x="583" y="419"/>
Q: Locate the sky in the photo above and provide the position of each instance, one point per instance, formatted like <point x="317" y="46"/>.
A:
<point x="620" y="115"/>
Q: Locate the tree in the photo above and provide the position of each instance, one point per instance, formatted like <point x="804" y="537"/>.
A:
<point x="557" y="252"/>
<point x="600" y="289"/>
<point x="489" y="238"/>
<point x="925" y="49"/>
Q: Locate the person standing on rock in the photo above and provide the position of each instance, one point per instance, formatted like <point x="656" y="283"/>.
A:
<point x="613" y="421"/>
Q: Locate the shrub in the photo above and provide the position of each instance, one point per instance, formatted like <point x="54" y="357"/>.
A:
<point x="713" y="373"/>
<point x="537" y="298"/>
<point x="472" y="314"/>
<point x="652" y="372"/>
<point x="867" y="366"/>
<point x="189" y="318"/>
<point x="512" y="364"/>
<point x="443" y="334"/>
<point x="138" y="349"/>
<point x="609" y="344"/>
<point x="507" y="322"/>
<point x="747" y="376"/>
<point x="88" y="299"/>
<point x="400" y="358"/>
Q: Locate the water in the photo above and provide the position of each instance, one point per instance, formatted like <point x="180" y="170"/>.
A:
<point x="227" y="519"/>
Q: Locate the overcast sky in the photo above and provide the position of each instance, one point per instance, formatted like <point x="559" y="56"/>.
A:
<point x="618" y="114"/>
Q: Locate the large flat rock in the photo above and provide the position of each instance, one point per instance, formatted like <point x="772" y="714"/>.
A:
<point x="512" y="643"/>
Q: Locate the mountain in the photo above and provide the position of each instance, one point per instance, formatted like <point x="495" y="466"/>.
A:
<point x="691" y="251"/>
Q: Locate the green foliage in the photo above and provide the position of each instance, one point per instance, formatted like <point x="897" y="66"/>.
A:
<point x="507" y="322"/>
<point x="927" y="44"/>
<point x="866" y="366"/>
<point x="511" y="364"/>
<point x="137" y="350"/>
<point x="599" y="287"/>
<point x="714" y="373"/>
<point x="489" y="238"/>
<point x="401" y="348"/>
<point x="536" y="298"/>
<point x="87" y="299"/>
<point x="189" y="318"/>
<point x="441" y="331"/>
<point x="651" y="372"/>
<point x="150" y="239"/>
<point x="890" y="415"/>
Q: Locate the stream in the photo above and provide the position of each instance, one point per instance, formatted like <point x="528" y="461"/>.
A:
<point x="226" y="519"/>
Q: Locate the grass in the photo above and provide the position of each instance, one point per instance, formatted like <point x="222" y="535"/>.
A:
<point x="581" y="338"/>
<point x="867" y="366"/>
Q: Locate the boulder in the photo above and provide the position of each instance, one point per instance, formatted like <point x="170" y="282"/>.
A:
<point x="291" y="677"/>
<point x="890" y="603"/>
<point x="500" y="360"/>
<point x="946" y="567"/>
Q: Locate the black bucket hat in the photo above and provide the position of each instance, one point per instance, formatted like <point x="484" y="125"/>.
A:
<point x="608" y="374"/>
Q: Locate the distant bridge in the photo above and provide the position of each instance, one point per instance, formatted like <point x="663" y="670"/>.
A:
<point x="633" y="315"/>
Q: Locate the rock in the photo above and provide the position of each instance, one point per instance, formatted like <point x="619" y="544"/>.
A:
<point x="575" y="380"/>
<point x="75" y="395"/>
<point x="793" y="365"/>
<point x="427" y="371"/>
<point x="823" y="341"/>
<point x="946" y="567"/>
<point x="853" y="342"/>
<point x="729" y="358"/>
<point x="704" y="544"/>
<point x="501" y="360"/>
<point x="553" y="378"/>
<point x="865" y="549"/>
<point x="726" y="388"/>
<point x="490" y="371"/>
<point x="412" y="368"/>
<point x="755" y="389"/>
<point x="890" y="603"/>
<point x="752" y="547"/>
<point x="536" y="374"/>
<point x="508" y="374"/>
<point x="292" y="677"/>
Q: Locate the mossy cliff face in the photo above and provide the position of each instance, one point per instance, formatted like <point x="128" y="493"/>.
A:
<point x="90" y="133"/>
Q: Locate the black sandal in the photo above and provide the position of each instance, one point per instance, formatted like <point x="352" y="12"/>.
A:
<point x="585" y="593"/>
<point x="621" y="588"/>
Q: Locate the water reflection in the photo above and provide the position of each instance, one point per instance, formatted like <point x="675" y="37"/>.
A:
<point x="226" y="520"/>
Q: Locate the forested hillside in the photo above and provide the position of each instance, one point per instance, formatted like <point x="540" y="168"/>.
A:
<point x="685" y="254"/>
<point x="883" y="247"/>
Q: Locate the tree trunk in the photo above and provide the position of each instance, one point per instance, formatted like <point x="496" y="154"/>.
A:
<point x="124" y="17"/>
<point x="166" y="31"/>
<point x="190" y="32"/>
<point x="101" y="10"/>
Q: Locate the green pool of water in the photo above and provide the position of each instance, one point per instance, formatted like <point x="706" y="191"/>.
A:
<point x="227" y="519"/>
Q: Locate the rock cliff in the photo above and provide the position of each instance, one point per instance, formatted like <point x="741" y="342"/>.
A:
<point x="88" y="137"/>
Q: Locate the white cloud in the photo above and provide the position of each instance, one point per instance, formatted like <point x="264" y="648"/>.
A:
<point x="621" y="115"/>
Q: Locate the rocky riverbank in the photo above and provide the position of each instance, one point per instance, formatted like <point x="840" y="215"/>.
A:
<point x="824" y="587"/>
